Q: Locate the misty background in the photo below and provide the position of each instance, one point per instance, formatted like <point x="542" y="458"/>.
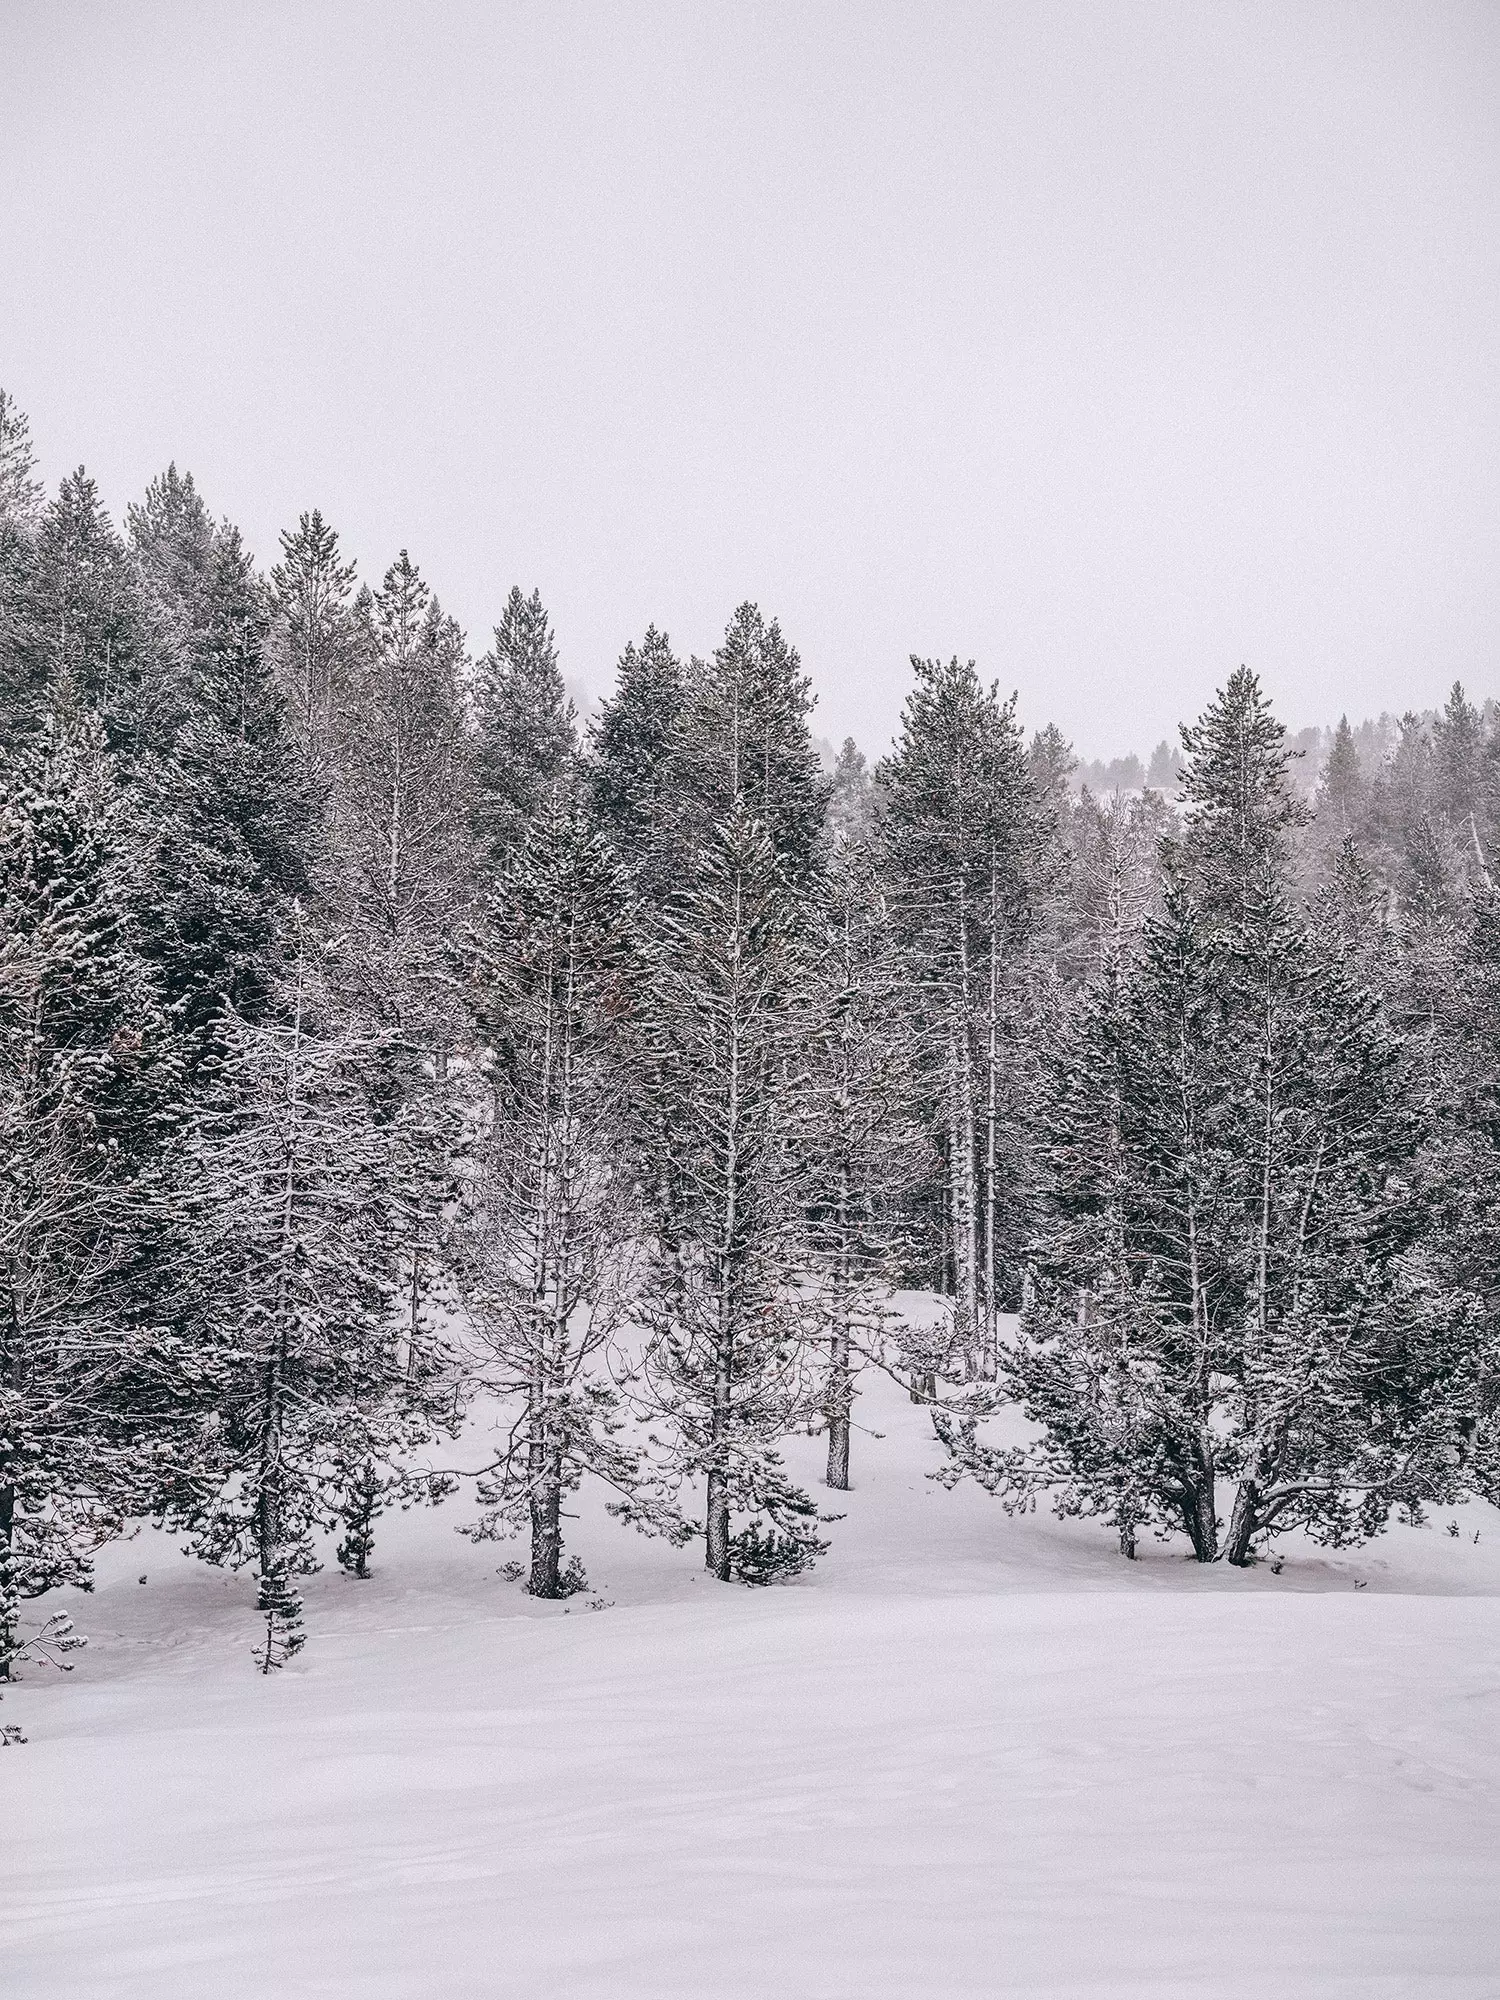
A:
<point x="1112" y="347"/>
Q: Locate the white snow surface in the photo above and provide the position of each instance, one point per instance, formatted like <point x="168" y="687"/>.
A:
<point x="968" y="1755"/>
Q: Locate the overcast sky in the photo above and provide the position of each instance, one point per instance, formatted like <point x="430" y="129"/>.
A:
<point x="1109" y="344"/>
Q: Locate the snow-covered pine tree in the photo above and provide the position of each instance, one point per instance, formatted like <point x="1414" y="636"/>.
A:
<point x="20" y="521"/>
<point x="86" y="1377"/>
<point x="547" y="1216"/>
<point x="298" y="1253"/>
<point x="225" y="822"/>
<point x="722" y="1018"/>
<point x="1341" y="794"/>
<point x="744" y="746"/>
<point x="525" y="740"/>
<point x="632" y="773"/>
<point x="960" y="841"/>
<point x="364" y="1500"/>
<point x="851" y="797"/>
<point x="313" y="633"/>
<point x="398" y="887"/>
<point x="1234" y="1241"/>
<point x="78" y="620"/>
<point x="860" y="1127"/>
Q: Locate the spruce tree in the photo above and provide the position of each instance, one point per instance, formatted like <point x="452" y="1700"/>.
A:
<point x="861" y="1132"/>
<point x="87" y="1375"/>
<point x="1233" y="1281"/>
<point x="961" y="832"/>
<point x="546" y="1218"/>
<point x="632" y="769"/>
<point x="396" y="893"/>
<point x="746" y="745"/>
<point x="313" y="632"/>
<point x="298" y="1249"/>
<point x="525" y="738"/>
<point x="720" y="1018"/>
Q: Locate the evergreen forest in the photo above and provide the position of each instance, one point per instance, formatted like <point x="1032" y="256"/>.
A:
<point x="377" y="1042"/>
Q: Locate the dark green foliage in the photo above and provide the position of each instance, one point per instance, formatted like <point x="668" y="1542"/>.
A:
<point x="757" y="1558"/>
<point x="524" y="737"/>
<point x="280" y="1605"/>
<point x="362" y="1504"/>
<point x="632" y="761"/>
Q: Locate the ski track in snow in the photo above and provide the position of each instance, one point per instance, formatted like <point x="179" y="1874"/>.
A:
<point x="968" y="1756"/>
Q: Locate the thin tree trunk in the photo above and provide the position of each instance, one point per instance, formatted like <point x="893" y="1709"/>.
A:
<point x="270" y="1505"/>
<point x="840" y="1391"/>
<point x="546" y="1522"/>
<point x="990" y="1342"/>
<point x="716" y="1550"/>
<point x="7" y="1542"/>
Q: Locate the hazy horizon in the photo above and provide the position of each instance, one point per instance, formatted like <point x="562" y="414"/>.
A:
<point x="1110" y="350"/>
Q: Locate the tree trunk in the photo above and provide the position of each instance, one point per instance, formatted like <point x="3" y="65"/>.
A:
<point x="1200" y="1508"/>
<point x="546" y="1526"/>
<point x="7" y="1598"/>
<point x="840" y="1395"/>
<point x="988" y="1357"/>
<point x="716" y="1553"/>
<point x="840" y="1389"/>
<point x="1243" y="1522"/>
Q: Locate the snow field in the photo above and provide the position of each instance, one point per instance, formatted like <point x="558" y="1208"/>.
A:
<point x="967" y="1756"/>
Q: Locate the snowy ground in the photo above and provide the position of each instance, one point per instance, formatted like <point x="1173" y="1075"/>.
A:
<point x="967" y="1756"/>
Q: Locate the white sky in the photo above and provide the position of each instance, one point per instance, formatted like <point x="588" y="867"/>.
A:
<point x="1109" y="344"/>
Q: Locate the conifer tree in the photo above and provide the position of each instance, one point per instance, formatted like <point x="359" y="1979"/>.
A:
<point x="1232" y="1282"/>
<point x="298" y="1256"/>
<point x="525" y="737"/>
<point x="959" y="830"/>
<point x="20" y="520"/>
<point x="632" y="762"/>
<point x="226" y="819"/>
<point x="79" y="620"/>
<point x="851" y="797"/>
<point x="746" y="745"/>
<point x="721" y="1018"/>
<point x="861" y="1128"/>
<point x="314" y="634"/>
<point x="400" y="885"/>
<point x="546" y="1218"/>
<point x="85" y="1373"/>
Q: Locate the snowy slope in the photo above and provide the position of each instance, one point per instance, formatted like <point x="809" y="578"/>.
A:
<point x="967" y="1756"/>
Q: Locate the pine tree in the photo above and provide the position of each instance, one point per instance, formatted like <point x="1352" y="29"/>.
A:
<point x="79" y="620"/>
<point x="226" y="822"/>
<point x="362" y="1504"/>
<point x="20" y="489"/>
<point x="298" y="1253"/>
<point x="314" y="635"/>
<point x="525" y="727"/>
<point x="546" y="1220"/>
<point x="400" y="884"/>
<point x="960" y="832"/>
<point x="86" y="1374"/>
<point x="1233" y="1282"/>
<point x="20" y="521"/>
<point x="851" y="797"/>
<point x="720" y="1017"/>
<point x="861" y="1135"/>
<point x="633" y="746"/>
<point x="746" y="745"/>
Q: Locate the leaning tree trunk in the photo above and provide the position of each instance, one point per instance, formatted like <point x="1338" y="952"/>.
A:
<point x="1200" y="1505"/>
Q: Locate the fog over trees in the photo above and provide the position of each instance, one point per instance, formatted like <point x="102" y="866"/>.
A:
<point x="378" y="1047"/>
